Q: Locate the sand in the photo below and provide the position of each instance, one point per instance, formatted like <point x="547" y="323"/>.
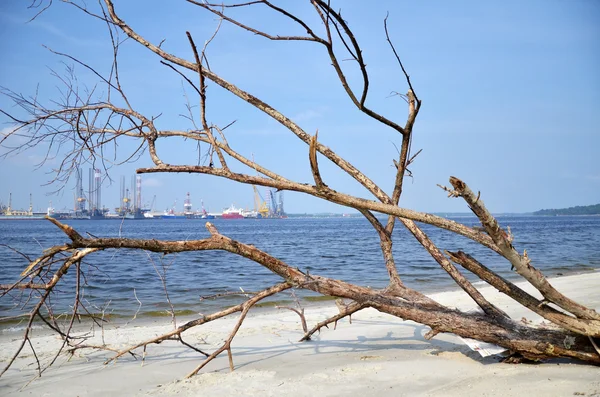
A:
<point x="375" y="355"/>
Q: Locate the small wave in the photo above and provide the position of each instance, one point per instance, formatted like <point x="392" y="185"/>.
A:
<point x="165" y="313"/>
<point x="19" y="328"/>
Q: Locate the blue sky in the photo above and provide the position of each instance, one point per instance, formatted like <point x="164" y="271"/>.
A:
<point x="510" y="90"/>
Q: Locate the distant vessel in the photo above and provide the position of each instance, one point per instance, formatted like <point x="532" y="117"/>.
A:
<point x="32" y="217"/>
<point x="232" y="213"/>
<point x="59" y="214"/>
<point x="205" y="215"/>
<point x="251" y="214"/>
<point x="170" y="214"/>
<point x="7" y="213"/>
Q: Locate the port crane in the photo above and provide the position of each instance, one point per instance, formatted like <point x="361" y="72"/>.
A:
<point x="260" y="206"/>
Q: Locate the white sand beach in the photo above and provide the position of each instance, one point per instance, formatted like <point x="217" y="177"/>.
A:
<point x="375" y="355"/>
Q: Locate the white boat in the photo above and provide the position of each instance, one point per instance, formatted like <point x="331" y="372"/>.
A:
<point x="251" y="214"/>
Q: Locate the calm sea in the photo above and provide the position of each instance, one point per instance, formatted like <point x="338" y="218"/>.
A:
<point x="116" y="281"/>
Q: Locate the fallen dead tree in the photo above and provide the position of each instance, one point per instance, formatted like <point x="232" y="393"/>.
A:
<point x="89" y="126"/>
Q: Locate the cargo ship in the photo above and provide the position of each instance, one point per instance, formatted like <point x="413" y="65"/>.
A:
<point x="8" y="213"/>
<point x="26" y="217"/>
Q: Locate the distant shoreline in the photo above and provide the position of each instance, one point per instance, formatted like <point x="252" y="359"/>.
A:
<point x="333" y="215"/>
<point x="588" y="210"/>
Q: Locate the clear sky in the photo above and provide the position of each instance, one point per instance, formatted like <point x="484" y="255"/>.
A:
<point x="510" y="90"/>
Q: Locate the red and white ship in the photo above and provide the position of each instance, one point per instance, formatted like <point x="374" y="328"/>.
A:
<point x="232" y="213"/>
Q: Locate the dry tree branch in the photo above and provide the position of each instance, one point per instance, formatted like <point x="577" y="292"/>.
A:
<point x="314" y="165"/>
<point x="75" y="257"/>
<point x="360" y="104"/>
<point x="205" y="126"/>
<point x="521" y="263"/>
<point x="37" y="4"/>
<point x="74" y="314"/>
<point x="212" y="8"/>
<point x="387" y="37"/>
<point x="162" y="275"/>
<point x="461" y="280"/>
<point x="535" y="305"/>
<point x="231" y="293"/>
<point x="182" y="75"/>
<point x="176" y="333"/>
<point x="299" y="310"/>
<point x="335" y="18"/>
<point x="245" y="307"/>
<point x="346" y="310"/>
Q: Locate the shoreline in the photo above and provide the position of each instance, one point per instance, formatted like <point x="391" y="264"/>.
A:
<point x="268" y="307"/>
<point x="376" y="354"/>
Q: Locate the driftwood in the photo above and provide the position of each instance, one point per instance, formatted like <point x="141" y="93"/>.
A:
<point x="88" y="126"/>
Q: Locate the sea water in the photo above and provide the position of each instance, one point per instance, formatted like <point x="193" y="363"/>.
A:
<point x="120" y="283"/>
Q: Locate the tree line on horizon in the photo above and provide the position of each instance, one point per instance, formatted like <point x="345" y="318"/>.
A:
<point x="577" y="210"/>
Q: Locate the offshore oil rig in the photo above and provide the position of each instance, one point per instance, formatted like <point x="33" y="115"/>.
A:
<point x="130" y="202"/>
<point x="93" y="198"/>
<point x="88" y="205"/>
